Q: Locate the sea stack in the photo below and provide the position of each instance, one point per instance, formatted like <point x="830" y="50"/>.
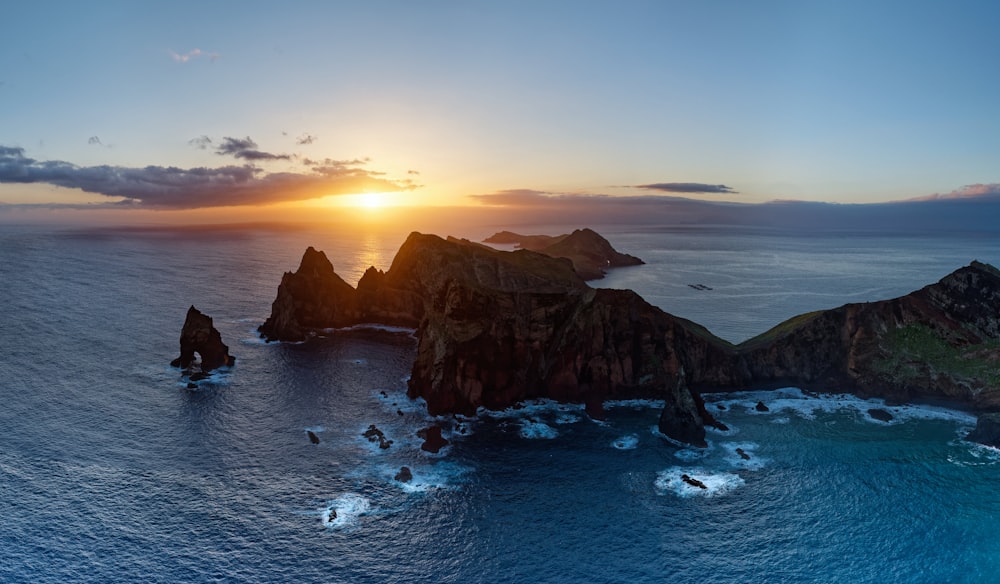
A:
<point x="198" y="335"/>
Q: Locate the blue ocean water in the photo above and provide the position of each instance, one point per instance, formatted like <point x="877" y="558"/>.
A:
<point x="111" y="470"/>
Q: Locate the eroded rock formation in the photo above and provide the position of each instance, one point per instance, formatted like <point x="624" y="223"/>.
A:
<point x="496" y="328"/>
<point x="198" y="335"/>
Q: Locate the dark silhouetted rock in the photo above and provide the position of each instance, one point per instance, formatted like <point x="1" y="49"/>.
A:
<point x="987" y="430"/>
<point x="192" y="385"/>
<point x="404" y="475"/>
<point x="199" y="336"/>
<point x="433" y="440"/>
<point x="880" y="415"/>
<point x="760" y="407"/>
<point x="376" y="436"/>
<point x="595" y="409"/>
<point x="742" y="453"/>
<point x="312" y="437"/>
<point x="693" y="482"/>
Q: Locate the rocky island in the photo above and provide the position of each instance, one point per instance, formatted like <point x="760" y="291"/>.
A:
<point x="495" y="328"/>
<point x="199" y="336"/>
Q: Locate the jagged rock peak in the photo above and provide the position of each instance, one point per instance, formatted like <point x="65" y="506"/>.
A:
<point x="314" y="262"/>
<point x="198" y="335"/>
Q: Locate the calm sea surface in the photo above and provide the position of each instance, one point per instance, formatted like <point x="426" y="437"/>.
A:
<point x="110" y="470"/>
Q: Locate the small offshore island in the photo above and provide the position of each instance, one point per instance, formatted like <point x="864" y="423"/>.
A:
<point x="496" y="328"/>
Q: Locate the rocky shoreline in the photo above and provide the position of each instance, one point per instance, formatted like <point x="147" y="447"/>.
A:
<point x="496" y="328"/>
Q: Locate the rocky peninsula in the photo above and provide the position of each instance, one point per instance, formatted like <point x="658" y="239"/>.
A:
<point x="495" y="328"/>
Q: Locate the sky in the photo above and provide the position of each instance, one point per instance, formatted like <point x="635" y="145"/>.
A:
<point x="186" y="109"/>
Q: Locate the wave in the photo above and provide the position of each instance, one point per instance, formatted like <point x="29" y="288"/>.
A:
<point x="628" y="442"/>
<point x="791" y="400"/>
<point x="345" y="511"/>
<point x="713" y="484"/>
<point x="533" y="429"/>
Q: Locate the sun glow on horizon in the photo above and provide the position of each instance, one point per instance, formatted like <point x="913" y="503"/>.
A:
<point x="370" y="201"/>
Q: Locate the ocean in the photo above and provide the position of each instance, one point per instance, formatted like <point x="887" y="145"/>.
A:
<point x="111" y="470"/>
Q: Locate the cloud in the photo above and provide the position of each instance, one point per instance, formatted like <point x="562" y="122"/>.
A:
<point x="976" y="191"/>
<point x="688" y="188"/>
<point x="246" y="149"/>
<point x="411" y="171"/>
<point x="201" y="142"/>
<point x="168" y="187"/>
<point x="94" y="140"/>
<point x="192" y="54"/>
<point x="305" y="139"/>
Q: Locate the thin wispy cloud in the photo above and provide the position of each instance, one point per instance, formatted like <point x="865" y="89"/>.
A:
<point x="688" y="188"/>
<point x="305" y="139"/>
<point x="201" y="142"/>
<point x="246" y="149"/>
<point x="168" y="187"/>
<point x="94" y="141"/>
<point x="193" y="54"/>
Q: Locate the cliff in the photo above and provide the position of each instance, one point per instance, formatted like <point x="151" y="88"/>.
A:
<point x="590" y="253"/>
<point x="942" y="341"/>
<point x="198" y="335"/>
<point x="496" y="328"/>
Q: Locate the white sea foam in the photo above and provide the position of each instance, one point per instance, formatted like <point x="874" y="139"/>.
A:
<point x="754" y="462"/>
<point x="639" y="404"/>
<point x="345" y="510"/>
<point x="689" y="454"/>
<point x="532" y="429"/>
<point x="428" y="478"/>
<point x="792" y="400"/>
<point x="628" y="442"/>
<point x="376" y="327"/>
<point x="567" y="419"/>
<point x="716" y="483"/>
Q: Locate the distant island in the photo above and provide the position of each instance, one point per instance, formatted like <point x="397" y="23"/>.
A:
<point x="496" y="328"/>
<point x="590" y="253"/>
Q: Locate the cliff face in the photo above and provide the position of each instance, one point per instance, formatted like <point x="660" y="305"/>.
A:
<point x="942" y="341"/>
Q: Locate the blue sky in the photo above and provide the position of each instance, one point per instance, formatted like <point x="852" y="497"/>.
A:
<point x="817" y="101"/>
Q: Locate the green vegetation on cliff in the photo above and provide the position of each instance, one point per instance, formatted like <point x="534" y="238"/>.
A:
<point x="913" y="350"/>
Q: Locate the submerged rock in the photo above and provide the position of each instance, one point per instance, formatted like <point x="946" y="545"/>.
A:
<point x="198" y="335"/>
<point x="312" y="437"/>
<point x="742" y="454"/>
<point x="987" y="430"/>
<point x="404" y="475"/>
<point x="760" y="407"/>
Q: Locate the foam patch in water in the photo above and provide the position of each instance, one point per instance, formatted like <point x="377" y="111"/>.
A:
<point x="629" y="442"/>
<point x="345" y="510"/>
<point x="706" y="483"/>
<point x="808" y="405"/>
<point x="743" y="455"/>
<point x="532" y="430"/>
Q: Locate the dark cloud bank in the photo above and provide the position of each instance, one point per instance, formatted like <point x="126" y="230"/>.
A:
<point x="975" y="208"/>
<point x="688" y="188"/>
<point x="168" y="187"/>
